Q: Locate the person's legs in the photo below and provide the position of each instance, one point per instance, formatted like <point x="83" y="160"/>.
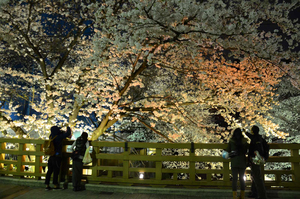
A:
<point x="74" y="174"/>
<point x="77" y="174"/>
<point x="253" y="193"/>
<point x="80" y="167"/>
<point x="234" y="181"/>
<point x="56" y="169"/>
<point x="50" y="170"/>
<point x="241" y="178"/>
<point x="234" y="178"/>
<point x="242" y="182"/>
<point x="258" y="180"/>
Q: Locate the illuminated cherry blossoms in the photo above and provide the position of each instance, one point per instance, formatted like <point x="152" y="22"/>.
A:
<point x="172" y="66"/>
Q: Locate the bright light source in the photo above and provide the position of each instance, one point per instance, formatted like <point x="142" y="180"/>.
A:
<point x="141" y="175"/>
<point x="245" y="178"/>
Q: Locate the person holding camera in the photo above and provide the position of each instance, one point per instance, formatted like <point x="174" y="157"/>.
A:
<point x="257" y="157"/>
<point x="54" y="161"/>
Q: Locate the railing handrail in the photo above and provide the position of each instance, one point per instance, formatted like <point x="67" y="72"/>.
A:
<point x="123" y="161"/>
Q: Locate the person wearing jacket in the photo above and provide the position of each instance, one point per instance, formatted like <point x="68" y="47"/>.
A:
<point x="54" y="161"/>
<point x="78" y="147"/>
<point x="238" y="146"/>
<point x="258" y="182"/>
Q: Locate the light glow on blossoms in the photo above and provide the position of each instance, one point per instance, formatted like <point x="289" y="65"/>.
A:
<point x="176" y="67"/>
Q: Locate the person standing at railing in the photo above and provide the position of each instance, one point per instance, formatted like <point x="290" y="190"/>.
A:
<point x="54" y="161"/>
<point x="78" y="147"/>
<point x="255" y="146"/>
<point x="237" y="148"/>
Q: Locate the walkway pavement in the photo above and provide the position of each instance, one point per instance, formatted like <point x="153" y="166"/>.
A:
<point x="32" y="189"/>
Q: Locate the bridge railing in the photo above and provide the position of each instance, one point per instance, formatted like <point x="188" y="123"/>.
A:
<point x="148" y="164"/>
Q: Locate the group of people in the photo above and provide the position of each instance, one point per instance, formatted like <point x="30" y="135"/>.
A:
<point x="239" y="148"/>
<point x="79" y="147"/>
<point x="237" y="144"/>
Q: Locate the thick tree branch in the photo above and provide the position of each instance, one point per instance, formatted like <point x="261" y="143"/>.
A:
<point x="155" y="131"/>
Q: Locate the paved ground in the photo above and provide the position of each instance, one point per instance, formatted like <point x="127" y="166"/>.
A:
<point x="27" y="189"/>
<point x="9" y="191"/>
<point x="24" y="192"/>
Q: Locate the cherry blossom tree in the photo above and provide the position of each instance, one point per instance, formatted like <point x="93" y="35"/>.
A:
<point x="51" y="33"/>
<point x="13" y="91"/>
<point x="172" y="66"/>
<point x="219" y="51"/>
<point x="286" y="113"/>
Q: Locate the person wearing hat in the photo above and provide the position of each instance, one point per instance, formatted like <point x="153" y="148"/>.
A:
<point x="54" y="161"/>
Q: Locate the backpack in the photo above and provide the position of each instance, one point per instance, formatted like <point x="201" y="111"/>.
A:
<point x="79" y="149"/>
<point x="80" y="145"/>
<point x="262" y="147"/>
<point x="49" y="147"/>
